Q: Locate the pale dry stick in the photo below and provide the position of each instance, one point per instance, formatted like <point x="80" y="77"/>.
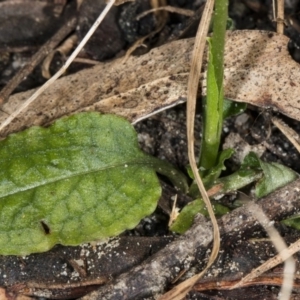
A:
<point x="183" y="288"/>
<point x="281" y="247"/>
<point x="102" y="15"/>
<point x="279" y="15"/>
<point x="290" y="134"/>
<point x="193" y="82"/>
<point x="87" y="61"/>
<point x="269" y="264"/>
<point x="160" y="15"/>
<point x="174" y="212"/>
<point x="120" y="2"/>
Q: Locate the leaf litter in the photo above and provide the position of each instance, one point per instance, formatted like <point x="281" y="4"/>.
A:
<point x="268" y="101"/>
<point x="258" y="70"/>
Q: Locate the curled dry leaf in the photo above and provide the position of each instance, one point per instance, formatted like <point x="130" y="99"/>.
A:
<point x="258" y="70"/>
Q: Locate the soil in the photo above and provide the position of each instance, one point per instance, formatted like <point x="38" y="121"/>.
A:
<point x="56" y="273"/>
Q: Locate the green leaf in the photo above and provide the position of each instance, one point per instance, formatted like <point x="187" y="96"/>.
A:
<point x="231" y="108"/>
<point x="230" y="25"/>
<point x="270" y="176"/>
<point x="186" y="217"/>
<point x="251" y="161"/>
<point x="293" y="222"/>
<point x="215" y="172"/>
<point x="82" y="179"/>
<point x="213" y="112"/>
<point x="275" y="176"/>
<point x="212" y="174"/>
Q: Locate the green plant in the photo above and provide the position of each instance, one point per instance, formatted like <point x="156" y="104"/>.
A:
<point x="270" y="176"/>
<point x="213" y="103"/>
<point x="82" y="179"/>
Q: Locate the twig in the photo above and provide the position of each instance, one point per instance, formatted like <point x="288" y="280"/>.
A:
<point x="280" y="245"/>
<point x="269" y="264"/>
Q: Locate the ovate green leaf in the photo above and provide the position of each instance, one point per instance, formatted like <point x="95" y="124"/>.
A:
<point x="82" y="179"/>
<point x="275" y="176"/>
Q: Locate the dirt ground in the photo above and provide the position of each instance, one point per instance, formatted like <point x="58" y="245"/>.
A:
<point x="119" y="266"/>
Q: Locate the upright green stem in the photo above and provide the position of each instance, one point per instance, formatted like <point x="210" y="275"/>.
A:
<point x="213" y="105"/>
<point x="218" y="40"/>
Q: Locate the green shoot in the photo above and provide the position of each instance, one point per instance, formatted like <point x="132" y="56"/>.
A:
<point x="213" y="106"/>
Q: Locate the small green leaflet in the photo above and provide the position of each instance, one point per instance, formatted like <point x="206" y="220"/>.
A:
<point x="82" y="179"/>
<point x="270" y="176"/>
<point x="275" y="175"/>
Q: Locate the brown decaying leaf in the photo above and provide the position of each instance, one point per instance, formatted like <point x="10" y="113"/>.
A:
<point x="258" y="70"/>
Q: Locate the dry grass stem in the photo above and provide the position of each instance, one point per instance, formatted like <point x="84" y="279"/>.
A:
<point x="193" y="82"/>
<point x="269" y="264"/>
<point x="279" y="15"/>
<point x="284" y="253"/>
<point x="183" y="288"/>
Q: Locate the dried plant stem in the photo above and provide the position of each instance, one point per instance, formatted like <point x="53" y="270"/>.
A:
<point x="200" y="41"/>
<point x="269" y="264"/>
<point x="279" y="16"/>
<point x="109" y="4"/>
<point x="193" y="83"/>
<point x="284" y="255"/>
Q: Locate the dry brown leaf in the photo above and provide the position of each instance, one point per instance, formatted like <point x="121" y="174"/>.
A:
<point x="258" y="70"/>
